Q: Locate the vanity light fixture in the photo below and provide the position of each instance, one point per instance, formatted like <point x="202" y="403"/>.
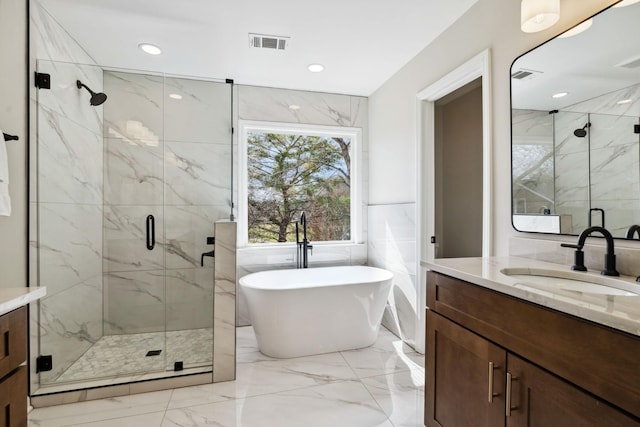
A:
<point x="624" y="101"/>
<point x="175" y="96"/>
<point x="624" y="3"/>
<point x="315" y="68"/>
<point x="577" y="29"/>
<point x="538" y="15"/>
<point x="560" y="95"/>
<point x="151" y="49"/>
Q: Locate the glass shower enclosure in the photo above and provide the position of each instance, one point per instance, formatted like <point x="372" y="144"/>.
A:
<point x="124" y="195"/>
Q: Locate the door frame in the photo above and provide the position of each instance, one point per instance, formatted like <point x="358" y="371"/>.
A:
<point x="477" y="67"/>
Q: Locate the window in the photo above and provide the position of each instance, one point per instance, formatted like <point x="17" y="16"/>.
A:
<point x="288" y="169"/>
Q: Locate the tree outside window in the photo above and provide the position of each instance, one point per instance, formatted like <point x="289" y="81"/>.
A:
<point x="293" y="173"/>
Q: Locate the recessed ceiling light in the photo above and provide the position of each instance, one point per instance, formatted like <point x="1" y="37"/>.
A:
<point x="151" y="49"/>
<point x="624" y="3"/>
<point x="560" y="94"/>
<point x="624" y="101"/>
<point x="294" y="107"/>
<point x="175" y="96"/>
<point x="316" y="68"/>
<point x="577" y="29"/>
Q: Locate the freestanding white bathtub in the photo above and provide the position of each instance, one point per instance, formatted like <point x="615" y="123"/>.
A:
<point x="309" y="311"/>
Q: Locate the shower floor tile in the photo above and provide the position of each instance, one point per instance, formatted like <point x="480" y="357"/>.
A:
<point x="118" y="355"/>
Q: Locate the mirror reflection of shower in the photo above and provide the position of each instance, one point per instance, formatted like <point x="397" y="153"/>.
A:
<point x="96" y="98"/>
<point x="582" y="132"/>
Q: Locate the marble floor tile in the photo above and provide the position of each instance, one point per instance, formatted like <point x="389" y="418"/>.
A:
<point x="346" y="403"/>
<point x="382" y="385"/>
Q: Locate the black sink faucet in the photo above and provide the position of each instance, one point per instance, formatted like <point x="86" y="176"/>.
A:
<point x="609" y="257"/>
<point x="632" y="231"/>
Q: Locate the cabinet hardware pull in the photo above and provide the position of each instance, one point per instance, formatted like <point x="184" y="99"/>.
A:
<point x="151" y="232"/>
<point x="509" y="408"/>
<point x="491" y="394"/>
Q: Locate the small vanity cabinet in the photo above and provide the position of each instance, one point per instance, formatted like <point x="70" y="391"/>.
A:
<point x="13" y="372"/>
<point x="496" y="360"/>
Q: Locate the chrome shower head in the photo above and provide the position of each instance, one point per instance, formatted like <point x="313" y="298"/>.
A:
<point x="96" y="98"/>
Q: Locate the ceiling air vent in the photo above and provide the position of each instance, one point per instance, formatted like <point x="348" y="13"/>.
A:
<point x="261" y="41"/>
<point x="523" y="74"/>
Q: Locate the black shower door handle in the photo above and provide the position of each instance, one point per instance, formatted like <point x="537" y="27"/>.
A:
<point x="151" y="232"/>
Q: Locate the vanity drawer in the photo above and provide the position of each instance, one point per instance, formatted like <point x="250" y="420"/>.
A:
<point x="13" y="399"/>
<point x="13" y="340"/>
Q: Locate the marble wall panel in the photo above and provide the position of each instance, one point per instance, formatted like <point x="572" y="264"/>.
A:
<point x="608" y="103"/>
<point x="392" y="245"/>
<point x="70" y="245"/>
<point x="134" y="302"/>
<point x="224" y="324"/>
<point x="70" y="323"/>
<point x="134" y="172"/>
<point x="269" y="104"/>
<point x="69" y="161"/>
<point x="189" y="298"/>
<point x="203" y="114"/>
<point x="187" y="229"/>
<point x="125" y="238"/>
<point x="135" y="107"/>
<point x="197" y="173"/>
<point x="64" y="97"/>
<point x="565" y="141"/>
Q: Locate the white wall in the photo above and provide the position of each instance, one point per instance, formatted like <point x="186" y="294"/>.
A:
<point x="13" y="120"/>
<point x="493" y="24"/>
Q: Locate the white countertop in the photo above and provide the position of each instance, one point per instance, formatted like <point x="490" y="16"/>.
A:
<point x="616" y="311"/>
<point x="12" y="298"/>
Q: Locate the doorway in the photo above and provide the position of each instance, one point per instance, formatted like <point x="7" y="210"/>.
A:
<point x="458" y="172"/>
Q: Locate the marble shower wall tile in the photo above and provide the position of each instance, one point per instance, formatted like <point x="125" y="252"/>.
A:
<point x="69" y="161"/>
<point x="135" y="107"/>
<point x="134" y="172"/>
<point x="125" y="238"/>
<point x="187" y="229"/>
<point x="392" y="245"/>
<point x="70" y="323"/>
<point x="134" y="302"/>
<point x="70" y="245"/>
<point x="197" y="173"/>
<point x="224" y="311"/>
<point x="531" y="126"/>
<point x="268" y="104"/>
<point x="189" y="298"/>
<point x="50" y="41"/>
<point x="203" y="114"/>
<point x="608" y="103"/>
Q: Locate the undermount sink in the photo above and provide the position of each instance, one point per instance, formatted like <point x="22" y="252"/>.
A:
<point x="571" y="281"/>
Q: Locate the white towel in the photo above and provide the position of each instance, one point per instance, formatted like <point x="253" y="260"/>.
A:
<point x="5" y="199"/>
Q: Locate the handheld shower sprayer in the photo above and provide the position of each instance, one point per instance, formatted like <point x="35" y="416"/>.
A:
<point x="96" y="98"/>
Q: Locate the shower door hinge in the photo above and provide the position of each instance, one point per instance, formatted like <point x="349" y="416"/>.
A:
<point x="636" y="128"/>
<point x="433" y="239"/>
<point x="44" y="363"/>
<point x="43" y="80"/>
<point x="178" y="366"/>
<point x="229" y="81"/>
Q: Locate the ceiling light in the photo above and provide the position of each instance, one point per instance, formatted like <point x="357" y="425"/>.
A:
<point x="624" y="101"/>
<point x="175" y="96"/>
<point x="538" y="15"/>
<point x="151" y="49"/>
<point x="577" y="29"/>
<point x="624" y="3"/>
<point x="560" y="95"/>
<point x="316" y="68"/>
<point x="294" y="107"/>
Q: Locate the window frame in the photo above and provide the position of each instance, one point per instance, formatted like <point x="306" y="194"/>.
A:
<point x="355" y="135"/>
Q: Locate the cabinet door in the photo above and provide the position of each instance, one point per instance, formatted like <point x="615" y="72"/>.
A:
<point x="465" y="377"/>
<point x="538" y="398"/>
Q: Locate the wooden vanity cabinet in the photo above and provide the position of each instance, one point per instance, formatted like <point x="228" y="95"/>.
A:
<point x="13" y="372"/>
<point x="551" y="369"/>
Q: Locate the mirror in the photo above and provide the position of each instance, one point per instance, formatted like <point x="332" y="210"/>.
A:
<point x="575" y="128"/>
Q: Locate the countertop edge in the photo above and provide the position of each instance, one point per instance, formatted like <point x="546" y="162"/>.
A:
<point x="625" y="321"/>
<point x="12" y="298"/>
